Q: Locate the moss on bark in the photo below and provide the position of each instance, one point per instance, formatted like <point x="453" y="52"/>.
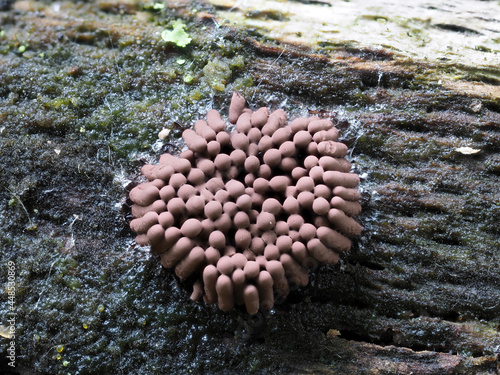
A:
<point x="86" y="87"/>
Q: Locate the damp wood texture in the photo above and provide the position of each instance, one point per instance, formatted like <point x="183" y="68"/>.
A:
<point x="91" y="92"/>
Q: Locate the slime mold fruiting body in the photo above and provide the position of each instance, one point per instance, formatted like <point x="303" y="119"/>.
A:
<point x="247" y="210"/>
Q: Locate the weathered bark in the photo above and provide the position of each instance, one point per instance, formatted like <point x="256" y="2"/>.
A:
<point x="87" y="86"/>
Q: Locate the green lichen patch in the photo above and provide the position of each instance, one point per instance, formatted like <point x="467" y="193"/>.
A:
<point x="85" y="93"/>
<point x="177" y="35"/>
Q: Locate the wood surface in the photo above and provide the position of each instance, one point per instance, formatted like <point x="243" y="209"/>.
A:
<point x="414" y="89"/>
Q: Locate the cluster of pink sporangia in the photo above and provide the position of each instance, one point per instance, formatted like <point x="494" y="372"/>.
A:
<point x="247" y="210"/>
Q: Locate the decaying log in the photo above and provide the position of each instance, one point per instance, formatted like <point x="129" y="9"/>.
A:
<point x="414" y="90"/>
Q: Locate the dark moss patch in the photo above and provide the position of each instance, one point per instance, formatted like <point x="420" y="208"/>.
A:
<point x="81" y="103"/>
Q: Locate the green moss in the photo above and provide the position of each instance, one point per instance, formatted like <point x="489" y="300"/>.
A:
<point x="216" y="74"/>
<point x="100" y="85"/>
<point x="72" y="282"/>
